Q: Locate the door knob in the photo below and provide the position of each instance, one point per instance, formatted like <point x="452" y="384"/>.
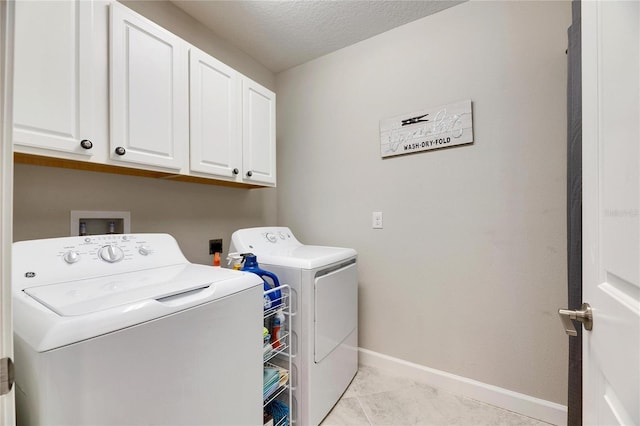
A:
<point x="120" y="150"/>
<point x="584" y="315"/>
<point x="86" y="144"/>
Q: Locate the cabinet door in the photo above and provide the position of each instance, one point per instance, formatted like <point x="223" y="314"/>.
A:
<point x="258" y="133"/>
<point x="148" y="92"/>
<point x="53" y="99"/>
<point x="215" y="108"/>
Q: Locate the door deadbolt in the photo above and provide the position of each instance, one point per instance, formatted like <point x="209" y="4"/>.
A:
<point x="584" y="315"/>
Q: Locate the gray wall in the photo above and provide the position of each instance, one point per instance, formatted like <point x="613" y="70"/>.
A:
<point x="193" y="213"/>
<point x="470" y="268"/>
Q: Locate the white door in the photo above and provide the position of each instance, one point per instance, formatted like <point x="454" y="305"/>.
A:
<point x="7" y="415"/>
<point x="53" y="98"/>
<point x="611" y="215"/>
<point x="216" y="148"/>
<point x="258" y="133"/>
<point x="149" y="92"/>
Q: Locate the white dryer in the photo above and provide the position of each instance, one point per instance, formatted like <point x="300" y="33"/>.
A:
<point x="122" y="329"/>
<point x="324" y="326"/>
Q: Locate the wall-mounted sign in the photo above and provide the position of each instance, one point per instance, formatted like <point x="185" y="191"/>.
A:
<point x="434" y="128"/>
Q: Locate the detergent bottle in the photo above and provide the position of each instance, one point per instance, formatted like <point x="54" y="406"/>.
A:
<point x="277" y="327"/>
<point x="273" y="299"/>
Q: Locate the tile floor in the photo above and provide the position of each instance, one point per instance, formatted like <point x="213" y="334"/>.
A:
<point x="376" y="399"/>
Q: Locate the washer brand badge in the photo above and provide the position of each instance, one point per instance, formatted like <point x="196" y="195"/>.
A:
<point x="30" y="274"/>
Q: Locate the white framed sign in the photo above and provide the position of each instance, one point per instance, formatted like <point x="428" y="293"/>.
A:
<point x="433" y="128"/>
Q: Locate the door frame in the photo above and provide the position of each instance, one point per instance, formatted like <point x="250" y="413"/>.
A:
<point x="7" y="402"/>
<point x="574" y="209"/>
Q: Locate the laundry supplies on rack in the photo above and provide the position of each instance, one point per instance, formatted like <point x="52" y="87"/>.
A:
<point x="271" y="381"/>
<point x="279" y="411"/>
<point x="277" y="359"/>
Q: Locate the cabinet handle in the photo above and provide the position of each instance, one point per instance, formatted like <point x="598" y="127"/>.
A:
<point x="249" y="173"/>
<point x="120" y="150"/>
<point x="86" y="144"/>
<point x="236" y="171"/>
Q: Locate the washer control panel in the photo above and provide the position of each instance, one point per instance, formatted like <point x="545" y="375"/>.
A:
<point x="65" y="259"/>
<point x="105" y="248"/>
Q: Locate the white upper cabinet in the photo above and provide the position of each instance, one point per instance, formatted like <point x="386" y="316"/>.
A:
<point x="149" y="92"/>
<point x="232" y="123"/>
<point x="123" y="91"/>
<point x="258" y="133"/>
<point x="214" y="117"/>
<point x="53" y="87"/>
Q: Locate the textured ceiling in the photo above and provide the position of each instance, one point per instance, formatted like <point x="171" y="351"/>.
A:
<point x="283" y="34"/>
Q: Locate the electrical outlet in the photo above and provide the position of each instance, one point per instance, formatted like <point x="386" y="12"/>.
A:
<point x="376" y="220"/>
<point x="215" y="246"/>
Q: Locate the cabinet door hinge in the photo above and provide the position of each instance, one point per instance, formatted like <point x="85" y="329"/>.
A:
<point x="6" y="375"/>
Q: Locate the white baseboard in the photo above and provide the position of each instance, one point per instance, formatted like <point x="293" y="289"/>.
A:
<point x="526" y="405"/>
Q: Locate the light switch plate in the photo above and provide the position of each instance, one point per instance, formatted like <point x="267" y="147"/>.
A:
<point x="376" y="220"/>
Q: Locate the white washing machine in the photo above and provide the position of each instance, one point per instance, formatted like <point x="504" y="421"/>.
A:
<point x="324" y="326"/>
<point x="123" y="330"/>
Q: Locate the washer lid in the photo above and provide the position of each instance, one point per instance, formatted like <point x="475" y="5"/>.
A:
<point x="304" y="257"/>
<point x="84" y="297"/>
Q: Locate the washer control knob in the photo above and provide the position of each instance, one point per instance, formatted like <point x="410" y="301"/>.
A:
<point x="71" y="256"/>
<point x="271" y="237"/>
<point x="144" y="250"/>
<point x="111" y="254"/>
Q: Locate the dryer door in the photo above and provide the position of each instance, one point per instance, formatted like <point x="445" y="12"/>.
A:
<point x="336" y="307"/>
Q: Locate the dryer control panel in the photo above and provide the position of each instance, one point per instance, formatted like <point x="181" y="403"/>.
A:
<point x="278" y="246"/>
<point x="273" y="236"/>
<point x="261" y="240"/>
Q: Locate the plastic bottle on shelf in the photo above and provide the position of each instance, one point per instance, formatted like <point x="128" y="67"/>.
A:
<point x="277" y="329"/>
<point x="235" y="261"/>
<point x="272" y="299"/>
